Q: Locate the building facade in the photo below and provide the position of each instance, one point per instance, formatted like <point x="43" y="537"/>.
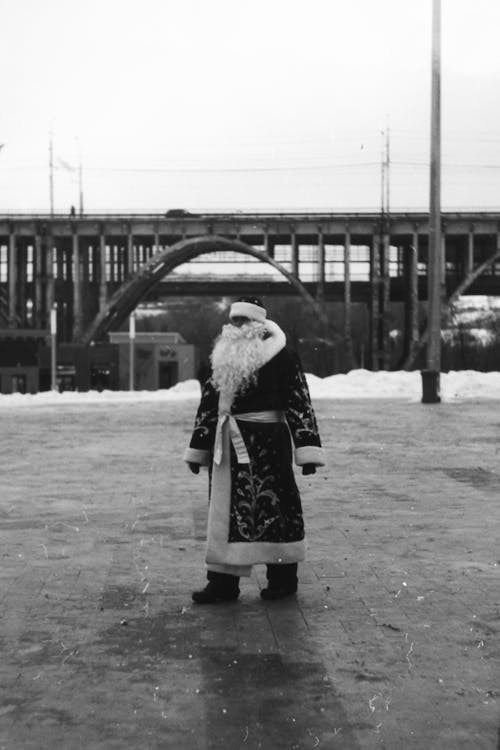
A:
<point x="160" y="360"/>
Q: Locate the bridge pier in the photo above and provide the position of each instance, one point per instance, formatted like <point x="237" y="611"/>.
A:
<point x="49" y="276"/>
<point x="375" y="311"/>
<point x="77" y="286"/>
<point x="347" y="302"/>
<point x="103" y="292"/>
<point x="129" y="270"/>
<point x="469" y="263"/>
<point x="38" y="277"/>
<point x="268" y="245"/>
<point x="12" y="277"/>
<point x="295" y="254"/>
<point x="385" y="288"/>
<point x="22" y="279"/>
<point x="411" y="310"/>
<point x="320" y="285"/>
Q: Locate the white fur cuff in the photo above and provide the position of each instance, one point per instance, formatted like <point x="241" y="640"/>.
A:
<point x="309" y="454"/>
<point x="196" y="456"/>
<point x="247" y="310"/>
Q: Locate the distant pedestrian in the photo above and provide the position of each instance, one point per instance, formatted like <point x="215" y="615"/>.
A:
<point x="255" y="399"/>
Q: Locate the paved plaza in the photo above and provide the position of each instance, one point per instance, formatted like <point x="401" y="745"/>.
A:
<point x="392" y="641"/>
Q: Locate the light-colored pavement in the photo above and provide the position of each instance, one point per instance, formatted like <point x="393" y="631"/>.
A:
<point x="392" y="642"/>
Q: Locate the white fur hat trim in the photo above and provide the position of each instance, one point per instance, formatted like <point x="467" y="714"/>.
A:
<point x="247" y="310"/>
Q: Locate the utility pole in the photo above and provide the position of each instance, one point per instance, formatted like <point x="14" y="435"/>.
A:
<point x="382" y="175"/>
<point x="431" y="376"/>
<point x="387" y="172"/>
<point x="382" y="278"/>
<point x="51" y="174"/>
<point x="385" y="182"/>
<point x="80" y="178"/>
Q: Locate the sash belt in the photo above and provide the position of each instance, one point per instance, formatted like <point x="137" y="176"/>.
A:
<point x="234" y="431"/>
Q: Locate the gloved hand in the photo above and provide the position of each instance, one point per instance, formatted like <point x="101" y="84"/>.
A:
<point x="195" y="468"/>
<point x="309" y="469"/>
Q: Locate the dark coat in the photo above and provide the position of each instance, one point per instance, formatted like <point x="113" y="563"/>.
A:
<point x="265" y="504"/>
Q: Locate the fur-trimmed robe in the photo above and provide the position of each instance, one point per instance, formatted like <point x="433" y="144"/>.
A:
<point x="255" y="513"/>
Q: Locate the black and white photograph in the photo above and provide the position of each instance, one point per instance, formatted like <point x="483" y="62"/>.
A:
<point x="250" y="375"/>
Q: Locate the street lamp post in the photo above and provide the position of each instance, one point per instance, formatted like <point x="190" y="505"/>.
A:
<point x="53" y="348"/>
<point x="131" y="336"/>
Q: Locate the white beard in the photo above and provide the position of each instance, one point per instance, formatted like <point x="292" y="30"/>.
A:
<point x="237" y="355"/>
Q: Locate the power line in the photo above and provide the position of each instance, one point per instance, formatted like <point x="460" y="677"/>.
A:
<point x="216" y="170"/>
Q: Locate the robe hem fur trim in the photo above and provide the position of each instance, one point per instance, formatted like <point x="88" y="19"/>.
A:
<point x="257" y="553"/>
<point x="232" y="570"/>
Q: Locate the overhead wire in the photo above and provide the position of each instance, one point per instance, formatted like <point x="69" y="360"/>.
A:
<point x="296" y="168"/>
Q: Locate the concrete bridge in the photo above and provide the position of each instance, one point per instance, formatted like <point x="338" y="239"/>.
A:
<point x="97" y="268"/>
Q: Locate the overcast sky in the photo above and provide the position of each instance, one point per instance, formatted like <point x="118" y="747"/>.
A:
<point x="245" y="104"/>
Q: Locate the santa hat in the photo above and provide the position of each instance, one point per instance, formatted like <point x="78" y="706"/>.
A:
<point x="248" y="307"/>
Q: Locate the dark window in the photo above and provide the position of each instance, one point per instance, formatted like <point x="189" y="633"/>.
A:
<point x="19" y="353"/>
<point x="66" y="377"/>
<point x="18" y="384"/>
<point x="100" y="377"/>
<point x="168" y="374"/>
<point x="44" y="379"/>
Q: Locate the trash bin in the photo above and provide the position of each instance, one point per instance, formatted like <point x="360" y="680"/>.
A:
<point x="430" y="386"/>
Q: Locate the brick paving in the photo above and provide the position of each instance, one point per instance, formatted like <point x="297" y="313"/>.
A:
<point x="392" y="642"/>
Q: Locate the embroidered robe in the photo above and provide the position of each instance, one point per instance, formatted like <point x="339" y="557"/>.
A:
<point x="255" y="512"/>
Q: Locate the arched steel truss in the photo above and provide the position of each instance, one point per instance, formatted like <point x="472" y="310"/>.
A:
<point x="126" y="299"/>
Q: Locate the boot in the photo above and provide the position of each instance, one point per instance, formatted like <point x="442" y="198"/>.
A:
<point x="281" y="581"/>
<point x="221" y="587"/>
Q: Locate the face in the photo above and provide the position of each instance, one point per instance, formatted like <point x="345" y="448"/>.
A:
<point x="239" y="320"/>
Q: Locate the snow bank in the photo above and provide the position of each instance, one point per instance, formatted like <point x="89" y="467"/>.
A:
<point x="455" y="386"/>
<point x="188" y="389"/>
<point x="469" y="384"/>
<point x="366" y="384"/>
<point x="357" y="384"/>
